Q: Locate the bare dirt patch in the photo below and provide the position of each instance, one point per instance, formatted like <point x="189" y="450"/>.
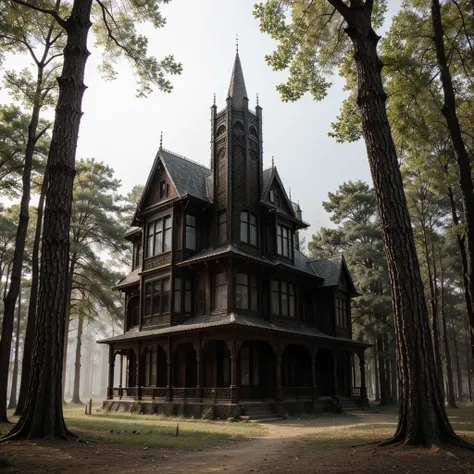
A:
<point x="294" y="446"/>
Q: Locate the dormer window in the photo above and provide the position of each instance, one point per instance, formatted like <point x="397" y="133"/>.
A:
<point x="248" y="228"/>
<point x="191" y="232"/>
<point x="342" y="312"/>
<point x="272" y="196"/>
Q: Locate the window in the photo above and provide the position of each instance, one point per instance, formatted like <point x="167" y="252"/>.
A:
<point x="246" y="292"/>
<point x="248" y="228"/>
<point x="253" y="229"/>
<point x="137" y="250"/>
<point x="342" y="312"/>
<point x="188" y="296"/>
<point x="150" y="367"/>
<point x="253" y="294"/>
<point x="168" y="235"/>
<point x="191" y="232"/>
<point x="275" y="297"/>
<point x="179" y="234"/>
<point x="242" y="291"/>
<point x="244" y="226"/>
<point x="272" y="195"/>
<point x="220" y="291"/>
<point x="156" y="244"/>
<point x="222" y="228"/>
<point x="283" y="302"/>
<point x="200" y="299"/>
<point x="163" y="189"/>
<point x="284" y="241"/>
<point x="177" y="294"/>
<point x="157" y="296"/>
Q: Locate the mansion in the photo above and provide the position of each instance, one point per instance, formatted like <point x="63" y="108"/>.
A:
<point x="222" y="310"/>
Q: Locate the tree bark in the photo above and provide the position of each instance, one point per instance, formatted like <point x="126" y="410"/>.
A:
<point x="43" y="415"/>
<point x="447" y="351"/>
<point x="72" y="267"/>
<point x="458" y="365"/>
<point x="77" y="366"/>
<point x="376" y="373"/>
<point x="18" y="255"/>
<point x="462" y="156"/>
<point x="12" y="401"/>
<point x="422" y="419"/>
<point x="30" y="325"/>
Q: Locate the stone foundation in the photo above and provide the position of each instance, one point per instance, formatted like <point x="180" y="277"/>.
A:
<point x="188" y="409"/>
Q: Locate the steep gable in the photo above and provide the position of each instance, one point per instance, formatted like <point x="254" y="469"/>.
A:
<point x="274" y="193"/>
<point x="335" y="273"/>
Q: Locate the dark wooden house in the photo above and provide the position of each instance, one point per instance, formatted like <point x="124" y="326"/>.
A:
<point x="222" y="310"/>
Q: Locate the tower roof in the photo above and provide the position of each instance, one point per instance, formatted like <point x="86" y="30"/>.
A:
<point x="237" y="88"/>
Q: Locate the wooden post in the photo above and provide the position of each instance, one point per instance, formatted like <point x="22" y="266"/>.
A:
<point x="335" y="356"/>
<point x="313" y="372"/>
<point x="139" y="372"/>
<point x="234" y="391"/>
<point x="199" y="369"/>
<point x="363" y="389"/>
<point x="121" y="370"/>
<point x="110" y="381"/>
<point x="170" y="371"/>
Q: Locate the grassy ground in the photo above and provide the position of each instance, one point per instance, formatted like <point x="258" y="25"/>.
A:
<point x="149" y="431"/>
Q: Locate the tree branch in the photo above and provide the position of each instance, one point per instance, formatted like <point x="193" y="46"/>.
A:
<point x="53" y="13"/>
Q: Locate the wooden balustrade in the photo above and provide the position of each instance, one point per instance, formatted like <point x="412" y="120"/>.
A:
<point x="355" y="392"/>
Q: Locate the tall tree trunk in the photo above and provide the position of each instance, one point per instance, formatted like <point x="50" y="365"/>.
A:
<point x="15" y="279"/>
<point x="458" y="365"/>
<point x="449" y="367"/>
<point x="43" y="414"/>
<point x="393" y="372"/>
<point x="77" y="366"/>
<point x="376" y="373"/>
<point x="422" y="417"/>
<point x="70" y="281"/>
<point x="462" y="156"/>
<point x="12" y="401"/>
<point x="30" y="324"/>
<point x="469" y="362"/>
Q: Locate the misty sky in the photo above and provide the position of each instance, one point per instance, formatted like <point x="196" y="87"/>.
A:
<point x="124" y="131"/>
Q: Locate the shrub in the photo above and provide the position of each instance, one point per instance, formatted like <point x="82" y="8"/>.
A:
<point x="208" y="414"/>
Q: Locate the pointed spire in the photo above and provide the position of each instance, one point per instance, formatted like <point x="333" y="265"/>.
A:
<point x="214" y="99"/>
<point x="237" y="88"/>
<point x="273" y="162"/>
<point x="161" y="140"/>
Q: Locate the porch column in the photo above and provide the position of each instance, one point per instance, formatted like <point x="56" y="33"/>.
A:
<point x="363" y="388"/>
<point x="234" y="390"/>
<point x="199" y="368"/>
<point x="313" y="371"/>
<point x="335" y="356"/>
<point x="121" y="370"/>
<point x="110" y="382"/>
<point x="170" y="372"/>
<point x="279" y="394"/>
<point x="139" y="372"/>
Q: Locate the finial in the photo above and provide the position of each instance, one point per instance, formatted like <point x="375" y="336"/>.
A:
<point x="273" y="162"/>
<point x="214" y="98"/>
<point x="237" y="43"/>
<point x="257" y="99"/>
<point x="161" y="139"/>
<point x="290" y="193"/>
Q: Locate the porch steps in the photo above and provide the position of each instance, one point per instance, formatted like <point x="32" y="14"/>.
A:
<point x="349" y="406"/>
<point x="259" y="413"/>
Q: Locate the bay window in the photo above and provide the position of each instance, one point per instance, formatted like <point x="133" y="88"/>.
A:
<point x="157" y="299"/>
<point x="157" y="243"/>
<point x="246" y="292"/>
<point x="342" y="312"/>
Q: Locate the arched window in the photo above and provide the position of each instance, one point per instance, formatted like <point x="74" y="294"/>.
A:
<point x="220" y="130"/>
<point x="238" y="126"/>
<point x="253" y="131"/>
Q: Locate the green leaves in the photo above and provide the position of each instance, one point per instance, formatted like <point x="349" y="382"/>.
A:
<point x="116" y="33"/>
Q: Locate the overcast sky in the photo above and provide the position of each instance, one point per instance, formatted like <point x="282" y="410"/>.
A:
<point x="124" y="131"/>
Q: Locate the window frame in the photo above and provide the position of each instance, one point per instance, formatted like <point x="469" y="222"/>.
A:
<point x="156" y="232"/>
<point x="249" y="223"/>
<point x="285" y="292"/>
<point x="223" y="295"/>
<point x="152" y="297"/>
<point x="190" y="226"/>
<point x="222" y="228"/>
<point x="285" y="241"/>
<point x="163" y="189"/>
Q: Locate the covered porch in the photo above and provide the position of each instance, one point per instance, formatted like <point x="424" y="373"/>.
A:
<point x="233" y="368"/>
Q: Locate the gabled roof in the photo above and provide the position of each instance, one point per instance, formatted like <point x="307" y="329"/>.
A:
<point x="330" y="269"/>
<point x="130" y="280"/>
<point x="270" y="175"/>
<point x="237" y="88"/>
<point x="188" y="177"/>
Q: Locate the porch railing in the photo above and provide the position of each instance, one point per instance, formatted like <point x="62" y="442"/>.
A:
<point x="124" y="392"/>
<point x="216" y="393"/>
<point x="355" y="392"/>
<point x="183" y="393"/>
<point x="153" y="392"/>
